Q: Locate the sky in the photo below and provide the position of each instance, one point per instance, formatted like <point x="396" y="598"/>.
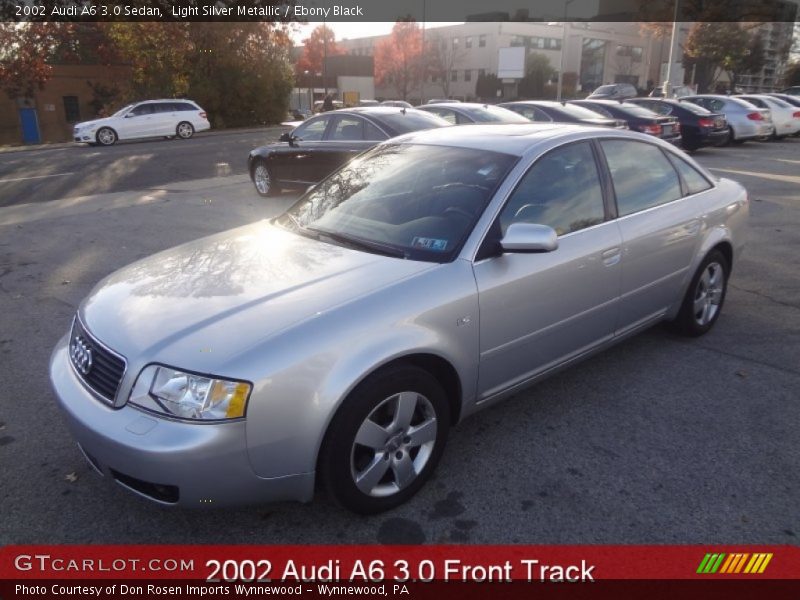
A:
<point x="351" y="30"/>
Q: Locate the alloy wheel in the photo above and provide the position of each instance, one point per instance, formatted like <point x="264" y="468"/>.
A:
<point x="708" y="293"/>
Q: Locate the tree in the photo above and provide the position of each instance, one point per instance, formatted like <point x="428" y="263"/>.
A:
<point x="441" y="59"/>
<point x="25" y="51"/>
<point x="715" y="48"/>
<point x="318" y="45"/>
<point x="399" y="58"/>
<point x="538" y="71"/>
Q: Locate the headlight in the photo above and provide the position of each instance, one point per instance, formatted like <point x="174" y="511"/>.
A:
<point x="189" y="396"/>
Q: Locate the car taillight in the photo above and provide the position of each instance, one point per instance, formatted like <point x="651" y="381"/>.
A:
<point x="755" y="116"/>
<point x="203" y="115"/>
<point x="705" y="122"/>
<point x="796" y="114"/>
<point x="651" y="129"/>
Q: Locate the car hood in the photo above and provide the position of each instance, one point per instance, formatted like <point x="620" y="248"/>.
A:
<point x="206" y="301"/>
<point x="94" y="123"/>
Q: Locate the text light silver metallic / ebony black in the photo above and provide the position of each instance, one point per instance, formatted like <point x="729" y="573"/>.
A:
<point x="427" y="279"/>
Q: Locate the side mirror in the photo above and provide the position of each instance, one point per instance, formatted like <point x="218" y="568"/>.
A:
<point x="129" y="115"/>
<point x="529" y="237"/>
<point x="285" y="137"/>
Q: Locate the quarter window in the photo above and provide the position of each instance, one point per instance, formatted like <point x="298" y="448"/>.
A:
<point x="642" y="175"/>
<point x="562" y="190"/>
<point x="694" y="180"/>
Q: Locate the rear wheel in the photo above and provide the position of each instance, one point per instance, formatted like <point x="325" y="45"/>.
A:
<point x="704" y="298"/>
<point x="385" y="440"/>
<point x="185" y="130"/>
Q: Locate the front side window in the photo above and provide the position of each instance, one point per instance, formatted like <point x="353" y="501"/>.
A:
<point x="642" y="175"/>
<point x="404" y="200"/>
<point x="312" y="130"/>
<point x="562" y="189"/>
<point x="142" y="109"/>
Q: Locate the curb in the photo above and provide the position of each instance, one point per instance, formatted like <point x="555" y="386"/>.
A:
<point x="212" y="133"/>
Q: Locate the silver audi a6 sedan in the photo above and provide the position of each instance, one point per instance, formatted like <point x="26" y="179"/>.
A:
<point x="428" y="278"/>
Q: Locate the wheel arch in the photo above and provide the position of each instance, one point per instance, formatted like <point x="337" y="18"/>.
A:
<point x="116" y="133"/>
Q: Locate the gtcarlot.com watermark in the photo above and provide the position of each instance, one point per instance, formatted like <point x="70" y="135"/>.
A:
<point x="47" y="563"/>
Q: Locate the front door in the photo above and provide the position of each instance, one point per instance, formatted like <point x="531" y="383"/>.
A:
<point x="539" y="310"/>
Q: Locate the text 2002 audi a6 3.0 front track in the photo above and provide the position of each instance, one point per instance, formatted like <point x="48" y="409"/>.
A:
<point x="429" y="277"/>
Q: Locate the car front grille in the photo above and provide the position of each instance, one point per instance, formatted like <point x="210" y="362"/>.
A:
<point x="99" y="368"/>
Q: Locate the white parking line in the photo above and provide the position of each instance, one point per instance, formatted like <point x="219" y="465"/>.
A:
<point x="36" y="177"/>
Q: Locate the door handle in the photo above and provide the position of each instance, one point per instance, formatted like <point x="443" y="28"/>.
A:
<point x="611" y="256"/>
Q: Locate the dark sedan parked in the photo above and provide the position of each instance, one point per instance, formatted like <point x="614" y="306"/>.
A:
<point x="699" y="126"/>
<point x="637" y="118"/>
<point x="323" y="143"/>
<point x="548" y="111"/>
<point x="463" y="113"/>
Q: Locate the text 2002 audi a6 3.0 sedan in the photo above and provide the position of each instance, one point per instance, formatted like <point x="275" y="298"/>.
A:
<point x="429" y="277"/>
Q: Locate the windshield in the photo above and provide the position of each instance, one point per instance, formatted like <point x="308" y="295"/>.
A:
<point x="696" y="109"/>
<point x="403" y="200"/>
<point x="579" y="112"/>
<point x="604" y="89"/>
<point x="638" y="111"/>
<point x="412" y="120"/>
<point x="493" y="114"/>
<point x="122" y="110"/>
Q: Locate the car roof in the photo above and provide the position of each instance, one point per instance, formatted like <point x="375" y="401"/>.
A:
<point x="508" y="138"/>
<point x="164" y="100"/>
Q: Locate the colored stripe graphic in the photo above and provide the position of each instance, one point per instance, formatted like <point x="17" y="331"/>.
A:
<point x="736" y="562"/>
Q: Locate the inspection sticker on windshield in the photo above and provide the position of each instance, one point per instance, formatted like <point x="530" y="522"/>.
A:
<point x="429" y="244"/>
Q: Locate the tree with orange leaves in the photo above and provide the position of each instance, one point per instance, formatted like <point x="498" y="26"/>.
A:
<point x="314" y="50"/>
<point x="399" y="58"/>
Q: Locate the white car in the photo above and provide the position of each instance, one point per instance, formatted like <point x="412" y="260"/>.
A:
<point x="785" y="116"/>
<point x="151" y="118"/>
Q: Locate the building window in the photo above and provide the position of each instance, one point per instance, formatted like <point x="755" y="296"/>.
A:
<point x="467" y="75"/>
<point x="453" y="75"/>
<point x="455" y="43"/>
<point x="481" y="72"/>
<point x="468" y="41"/>
<point x="71" y="109"/>
<point x="634" y="52"/>
<point x="482" y="40"/>
<point x="517" y="40"/>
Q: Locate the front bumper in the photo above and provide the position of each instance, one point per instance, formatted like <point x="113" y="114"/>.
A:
<point x="167" y="461"/>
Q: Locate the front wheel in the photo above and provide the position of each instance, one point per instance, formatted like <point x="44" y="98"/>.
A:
<point x="262" y="178"/>
<point x="704" y="298"/>
<point x="385" y="440"/>
<point x="184" y="130"/>
<point x="106" y="136"/>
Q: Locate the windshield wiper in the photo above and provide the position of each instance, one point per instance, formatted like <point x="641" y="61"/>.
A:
<point x="359" y="244"/>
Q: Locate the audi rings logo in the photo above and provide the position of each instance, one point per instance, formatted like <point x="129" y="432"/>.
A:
<point x="81" y="355"/>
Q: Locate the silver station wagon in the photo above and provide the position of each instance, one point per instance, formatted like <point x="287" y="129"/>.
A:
<point x="428" y="278"/>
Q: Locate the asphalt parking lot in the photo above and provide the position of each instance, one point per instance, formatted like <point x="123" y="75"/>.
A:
<point x="658" y="440"/>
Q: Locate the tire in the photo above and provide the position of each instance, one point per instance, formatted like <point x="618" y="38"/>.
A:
<point x="106" y="136"/>
<point x="385" y="440"/>
<point x="184" y="130"/>
<point x="265" y="183"/>
<point x="703" y="302"/>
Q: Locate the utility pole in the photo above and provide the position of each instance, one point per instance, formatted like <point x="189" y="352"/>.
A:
<point x="563" y="50"/>
<point x="667" y="89"/>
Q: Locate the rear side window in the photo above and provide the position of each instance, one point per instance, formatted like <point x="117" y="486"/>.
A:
<point x="694" y="180"/>
<point x="642" y="175"/>
<point x="562" y="189"/>
<point x="533" y="113"/>
<point x="347" y="128"/>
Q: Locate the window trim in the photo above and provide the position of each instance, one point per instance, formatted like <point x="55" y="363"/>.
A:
<point x="684" y="184"/>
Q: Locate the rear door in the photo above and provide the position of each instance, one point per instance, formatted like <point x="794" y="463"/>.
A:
<point x="165" y="118"/>
<point x="539" y="310"/>
<point x="660" y="229"/>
